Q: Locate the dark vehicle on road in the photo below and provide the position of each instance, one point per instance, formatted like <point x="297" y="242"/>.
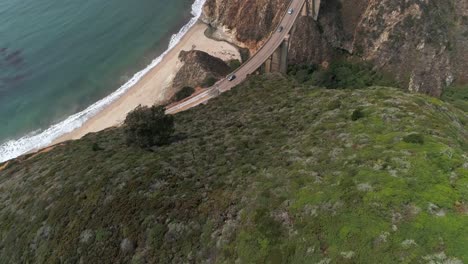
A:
<point x="231" y="77"/>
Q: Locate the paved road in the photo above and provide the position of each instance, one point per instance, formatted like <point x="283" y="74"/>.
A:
<point x="249" y="67"/>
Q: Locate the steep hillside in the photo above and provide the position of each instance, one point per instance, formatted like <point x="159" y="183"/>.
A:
<point x="272" y="172"/>
<point x="247" y="22"/>
<point x="422" y="43"/>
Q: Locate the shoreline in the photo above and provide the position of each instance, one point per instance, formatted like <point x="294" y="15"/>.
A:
<point x="155" y="86"/>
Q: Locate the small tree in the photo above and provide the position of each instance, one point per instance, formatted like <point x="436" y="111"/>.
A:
<point x="234" y="64"/>
<point x="184" y="93"/>
<point x="414" y="138"/>
<point x="209" y="81"/>
<point x="148" y="126"/>
<point x="357" y="114"/>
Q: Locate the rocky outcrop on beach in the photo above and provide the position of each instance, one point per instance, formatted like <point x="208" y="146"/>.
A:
<point x="199" y="68"/>
<point x="423" y="44"/>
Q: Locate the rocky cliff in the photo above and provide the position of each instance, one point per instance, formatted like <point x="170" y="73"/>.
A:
<point x="198" y="68"/>
<point x="246" y="23"/>
<point x="424" y="44"/>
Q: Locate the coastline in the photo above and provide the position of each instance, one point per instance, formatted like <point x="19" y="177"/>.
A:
<point x="154" y="87"/>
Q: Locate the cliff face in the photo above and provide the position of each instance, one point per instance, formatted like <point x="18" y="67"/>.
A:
<point x="423" y="43"/>
<point x="198" y="67"/>
<point x="245" y="22"/>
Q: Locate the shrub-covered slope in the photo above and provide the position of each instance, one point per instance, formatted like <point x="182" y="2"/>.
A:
<point x="271" y="172"/>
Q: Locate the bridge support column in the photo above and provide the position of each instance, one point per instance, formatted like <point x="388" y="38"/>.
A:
<point x="311" y="8"/>
<point x="278" y="62"/>
<point x="267" y="65"/>
<point x="284" y="55"/>
<point x="315" y="8"/>
<point x="305" y="9"/>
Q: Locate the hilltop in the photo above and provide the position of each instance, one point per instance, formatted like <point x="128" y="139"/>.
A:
<point x="273" y="171"/>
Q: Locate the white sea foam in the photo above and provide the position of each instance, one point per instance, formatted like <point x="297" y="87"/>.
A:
<point x="15" y="148"/>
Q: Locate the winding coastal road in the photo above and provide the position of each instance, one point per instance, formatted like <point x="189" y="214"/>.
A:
<point x="249" y="67"/>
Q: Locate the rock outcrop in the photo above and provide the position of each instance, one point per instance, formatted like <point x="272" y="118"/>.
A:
<point x="420" y="42"/>
<point x="198" y="68"/>
<point x="246" y="23"/>
<point x="423" y="43"/>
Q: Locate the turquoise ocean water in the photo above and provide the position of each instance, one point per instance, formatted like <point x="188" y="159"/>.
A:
<point x="59" y="57"/>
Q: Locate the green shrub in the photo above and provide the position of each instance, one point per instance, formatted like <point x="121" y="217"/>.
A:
<point x="345" y="74"/>
<point x="148" y="126"/>
<point x="414" y="138"/>
<point x="357" y="114"/>
<point x="244" y="53"/>
<point x="184" y="93"/>
<point x="234" y="64"/>
<point x="334" y="104"/>
<point x="209" y="81"/>
<point x="340" y="75"/>
<point x="302" y="73"/>
<point x="96" y="147"/>
<point x="457" y="95"/>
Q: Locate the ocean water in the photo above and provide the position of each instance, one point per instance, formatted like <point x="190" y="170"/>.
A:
<point x="62" y="61"/>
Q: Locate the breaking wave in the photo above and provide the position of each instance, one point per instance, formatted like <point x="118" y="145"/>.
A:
<point x="14" y="148"/>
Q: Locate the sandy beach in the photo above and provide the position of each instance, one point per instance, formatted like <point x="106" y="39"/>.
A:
<point x="154" y="87"/>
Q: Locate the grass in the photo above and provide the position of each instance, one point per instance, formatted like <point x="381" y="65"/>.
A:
<point x="274" y="171"/>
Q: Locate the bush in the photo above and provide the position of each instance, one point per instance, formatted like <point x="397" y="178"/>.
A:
<point x="234" y="64"/>
<point x="96" y="147"/>
<point x="209" y="81"/>
<point x="345" y="74"/>
<point x="340" y="75"/>
<point x="244" y="53"/>
<point x="357" y="114"/>
<point x="184" y="93"/>
<point x="148" y="126"/>
<point x="302" y="73"/>
<point x="414" y="138"/>
<point x="334" y="104"/>
<point x="458" y="96"/>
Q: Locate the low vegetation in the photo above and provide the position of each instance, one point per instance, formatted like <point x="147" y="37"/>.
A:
<point x="234" y="64"/>
<point x="273" y="171"/>
<point x="341" y="74"/>
<point x="183" y="93"/>
<point x="209" y="81"/>
<point x="458" y="96"/>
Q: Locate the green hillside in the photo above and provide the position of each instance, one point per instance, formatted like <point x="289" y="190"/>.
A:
<point x="271" y="172"/>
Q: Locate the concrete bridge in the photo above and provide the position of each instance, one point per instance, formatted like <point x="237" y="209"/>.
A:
<point x="278" y="61"/>
<point x="272" y="56"/>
